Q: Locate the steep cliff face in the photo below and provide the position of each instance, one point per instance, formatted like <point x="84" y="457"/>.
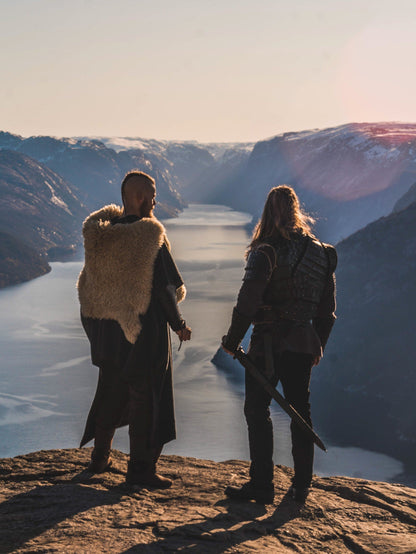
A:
<point x="366" y="380"/>
<point x="19" y="262"/>
<point x="408" y="198"/>
<point x="37" y="205"/>
<point x="49" y="503"/>
<point x="40" y="218"/>
<point x="348" y="175"/>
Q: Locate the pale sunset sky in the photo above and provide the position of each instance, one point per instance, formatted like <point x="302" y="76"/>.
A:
<point x="230" y="70"/>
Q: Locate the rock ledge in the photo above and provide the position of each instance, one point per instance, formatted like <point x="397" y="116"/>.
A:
<point x="50" y="504"/>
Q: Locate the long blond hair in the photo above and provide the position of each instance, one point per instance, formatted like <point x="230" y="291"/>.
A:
<point x="282" y="215"/>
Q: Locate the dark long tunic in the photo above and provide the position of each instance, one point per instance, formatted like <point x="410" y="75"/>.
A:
<point x="147" y="361"/>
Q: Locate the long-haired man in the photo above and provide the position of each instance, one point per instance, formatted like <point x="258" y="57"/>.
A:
<point x="288" y="293"/>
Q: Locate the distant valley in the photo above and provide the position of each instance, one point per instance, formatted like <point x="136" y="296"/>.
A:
<point x="359" y="180"/>
<point x="346" y="176"/>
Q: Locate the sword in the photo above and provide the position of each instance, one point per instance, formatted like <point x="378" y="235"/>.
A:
<point x="288" y="408"/>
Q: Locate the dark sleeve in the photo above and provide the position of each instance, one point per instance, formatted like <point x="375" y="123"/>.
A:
<point x="260" y="265"/>
<point x="165" y="282"/>
<point x="325" y="318"/>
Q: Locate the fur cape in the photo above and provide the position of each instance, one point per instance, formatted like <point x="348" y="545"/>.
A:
<point x="116" y="280"/>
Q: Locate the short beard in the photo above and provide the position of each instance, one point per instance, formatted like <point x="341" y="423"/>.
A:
<point x="146" y="210"/>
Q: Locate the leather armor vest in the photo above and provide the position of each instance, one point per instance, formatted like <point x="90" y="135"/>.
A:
<point x="300" y="271"/>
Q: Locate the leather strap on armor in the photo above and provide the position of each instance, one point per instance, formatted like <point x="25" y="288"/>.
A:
<point x="260" y="263"/>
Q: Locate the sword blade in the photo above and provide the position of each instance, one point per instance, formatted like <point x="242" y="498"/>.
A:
<point x="245" y="361"/>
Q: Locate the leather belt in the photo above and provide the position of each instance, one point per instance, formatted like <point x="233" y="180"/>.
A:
<point x="266" y="314"/>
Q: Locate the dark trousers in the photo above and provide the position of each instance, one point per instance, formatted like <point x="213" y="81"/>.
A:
<point x="293" y="370"/>
<point x="116" y="399"/>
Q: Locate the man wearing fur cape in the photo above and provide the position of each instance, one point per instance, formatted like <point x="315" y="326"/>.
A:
<point x="129" y="289"/>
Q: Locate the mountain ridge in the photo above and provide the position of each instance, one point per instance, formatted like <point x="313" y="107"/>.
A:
<point x="40" y="216"/>
<point x="366" y="378"/>
<point x="94" y="170"/>
<point x="346" y="176"/>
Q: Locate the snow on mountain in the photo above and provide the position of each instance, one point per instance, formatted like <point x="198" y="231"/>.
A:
<point x="347" y="176"/>
<point x="37" y="205"/>
<point x="120" y="144"/>
<point x="381" y="151"/>
<point x="57" y="200"/>
<point x="220" y="150"/>
<point x="216" y="149"/>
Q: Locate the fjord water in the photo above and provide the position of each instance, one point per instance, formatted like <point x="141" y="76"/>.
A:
<point x="47" y="381"/>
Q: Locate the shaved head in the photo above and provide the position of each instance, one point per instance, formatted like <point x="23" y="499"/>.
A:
<point x="135" y="181"/>
<point x="138" y="191"/>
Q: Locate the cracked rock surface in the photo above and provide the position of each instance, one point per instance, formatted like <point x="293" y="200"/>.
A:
<point x="49" y="503"/>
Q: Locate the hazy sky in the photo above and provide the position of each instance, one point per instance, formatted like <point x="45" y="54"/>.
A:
<point x="230" y="70"/>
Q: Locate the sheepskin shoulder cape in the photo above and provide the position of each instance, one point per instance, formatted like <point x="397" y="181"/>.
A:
<point x="116" y="280"/>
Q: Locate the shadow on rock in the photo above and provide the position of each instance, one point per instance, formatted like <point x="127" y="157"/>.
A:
<point x="237" y="524"/>
<point x="28" y="515"/>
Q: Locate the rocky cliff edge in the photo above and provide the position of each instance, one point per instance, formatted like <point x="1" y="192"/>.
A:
<point x="49" y="503"/>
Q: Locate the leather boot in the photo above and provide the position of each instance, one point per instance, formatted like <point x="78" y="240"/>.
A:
<point x="299" y="494"/>
<point x="100" y="456"/>
<point x="250" y="491"/>
<point x="143" y="474"/>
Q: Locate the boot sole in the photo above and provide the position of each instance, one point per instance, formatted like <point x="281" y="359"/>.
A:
<point x="147" y="486"/>
<point x="247" y="497"/>
<point x="107" y="467"/>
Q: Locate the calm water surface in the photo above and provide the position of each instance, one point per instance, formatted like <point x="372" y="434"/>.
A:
<point x="47" y="381"/>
